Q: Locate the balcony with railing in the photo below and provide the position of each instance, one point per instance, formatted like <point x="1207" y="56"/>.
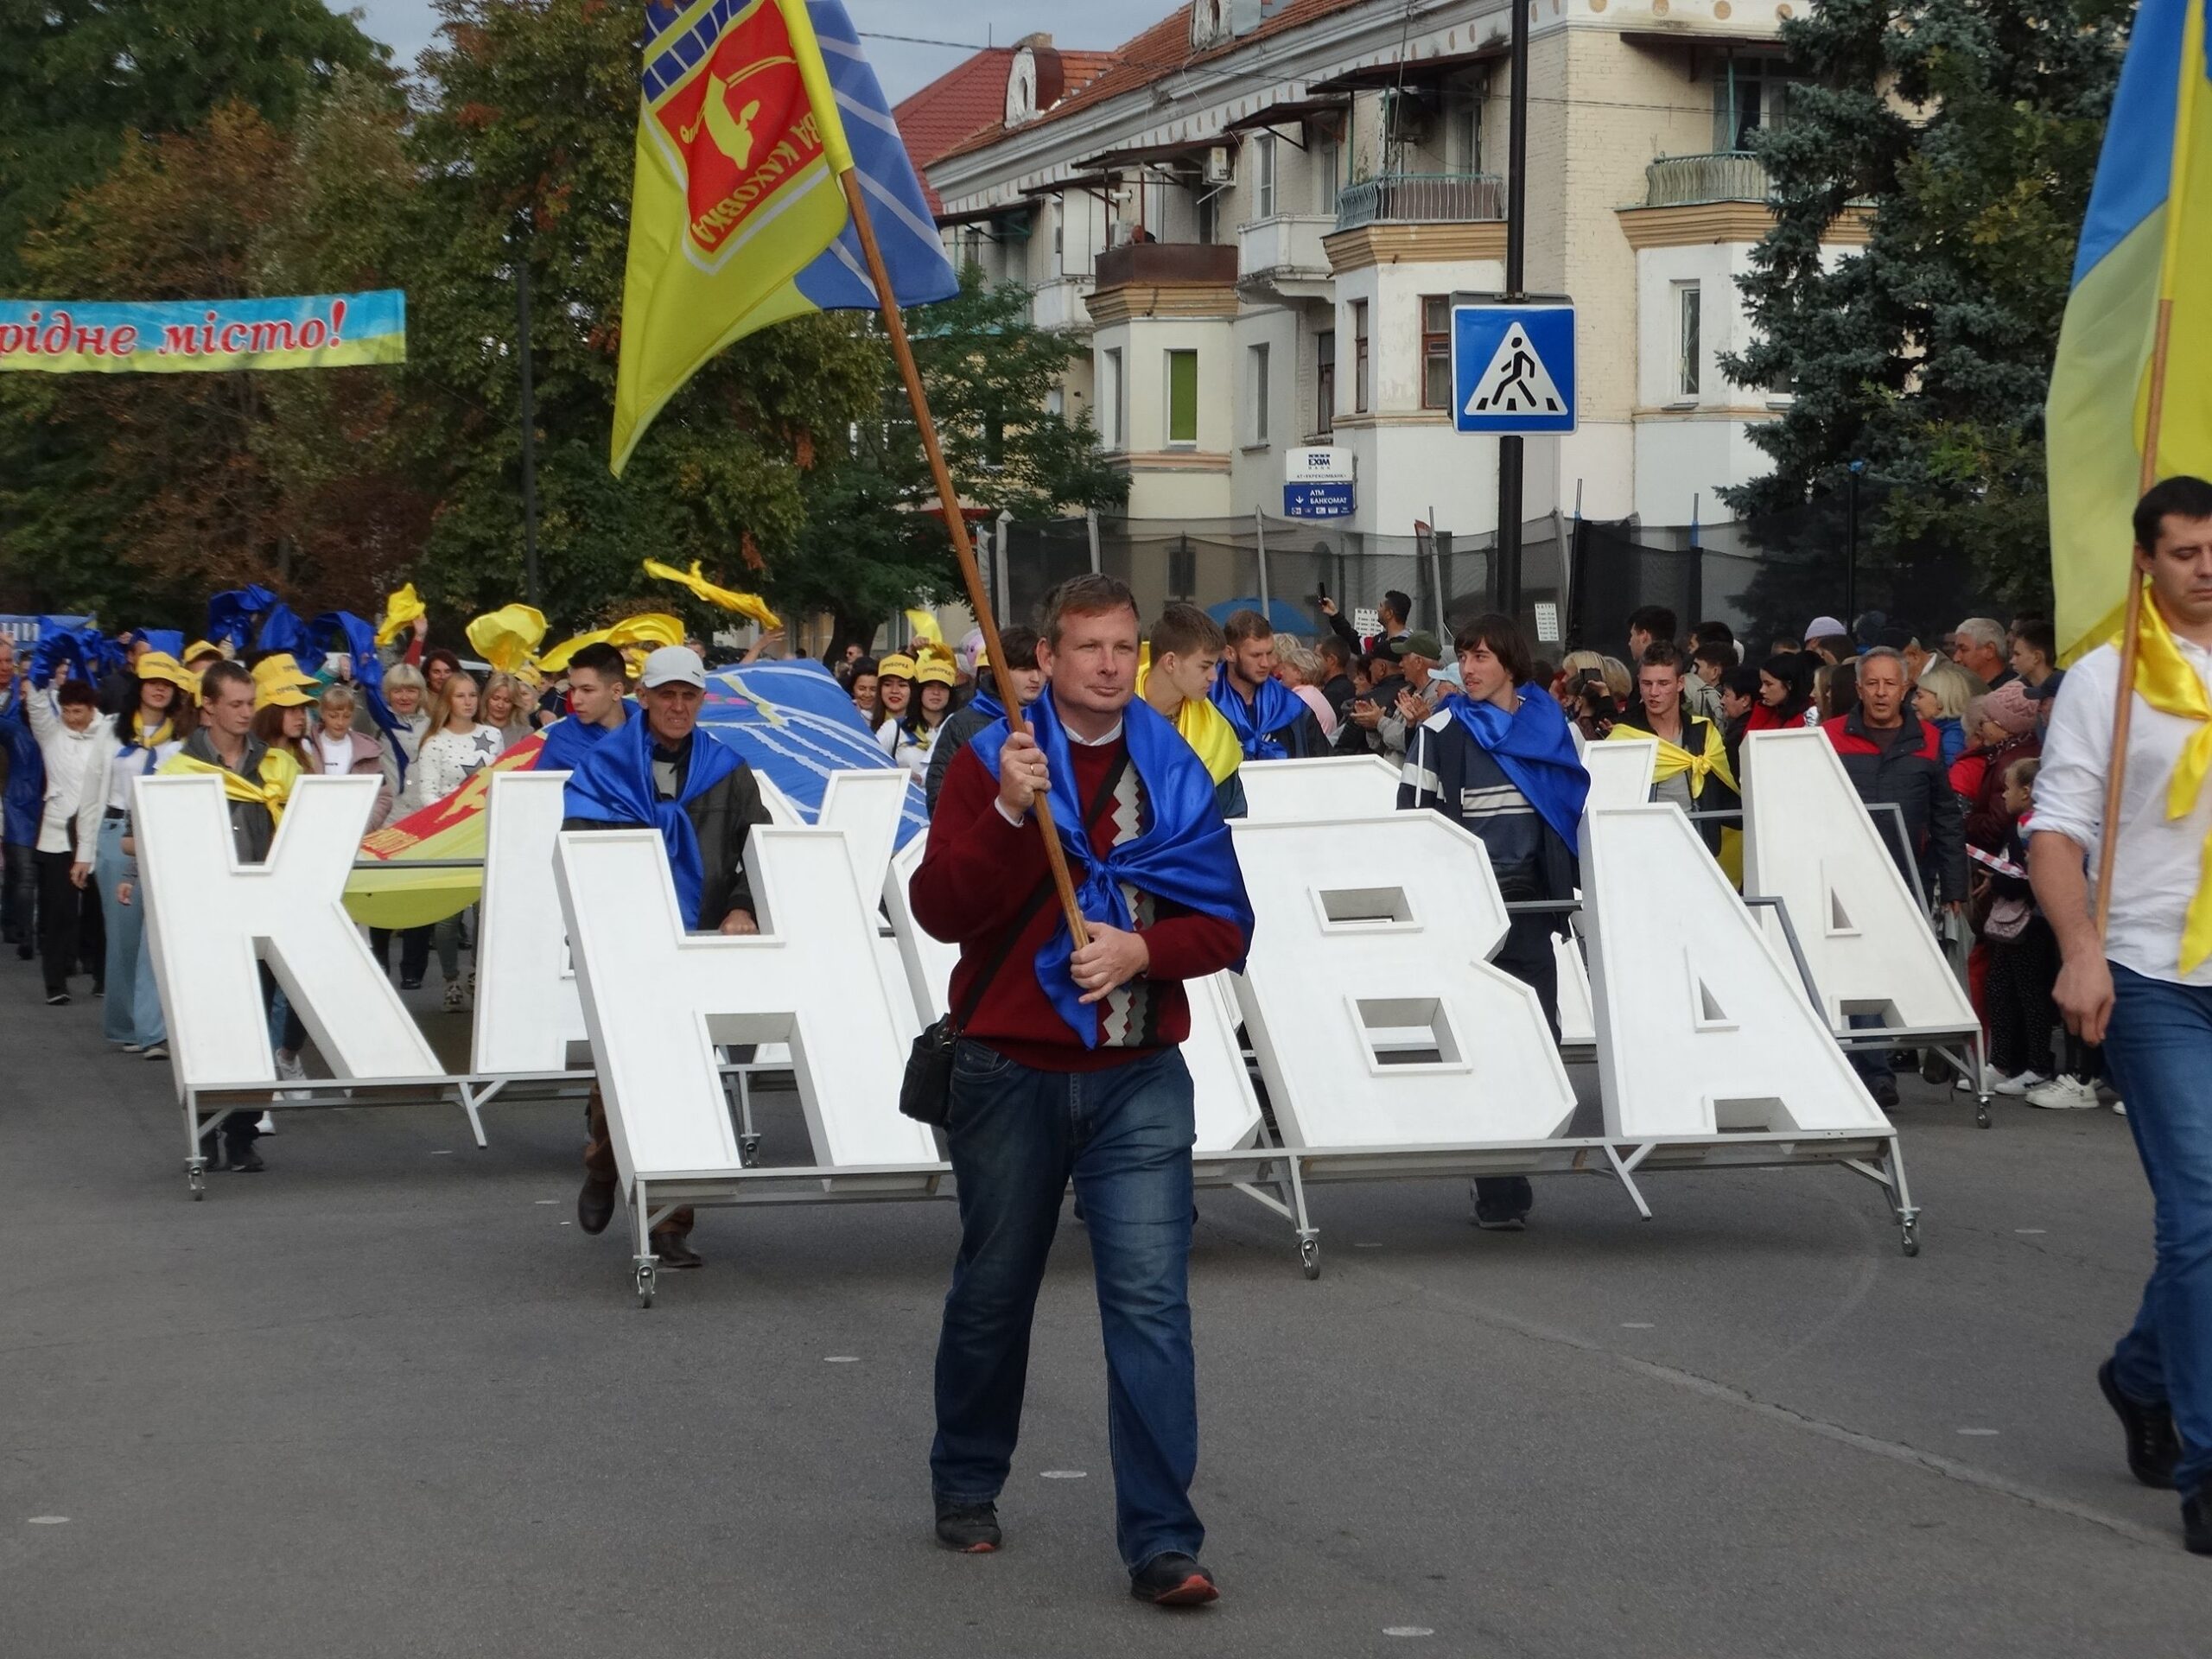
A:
<point x="1167" y="263"/>
<point x="1285" y="253"/>
<point x="1692" y="181"/>
<point x="1421" y="199"/>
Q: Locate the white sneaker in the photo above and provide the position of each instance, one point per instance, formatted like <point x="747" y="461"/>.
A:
<point x="268" y="1124"/>
<point x="2065" y="1094"/>
<point x="2027" y="1081"/>
<point x="2120" y="1107"/>
<point x="289" y="1069"/>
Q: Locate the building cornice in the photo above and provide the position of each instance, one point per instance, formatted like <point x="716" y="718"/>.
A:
<point x="1137" y="302"/>
<point x="1390" y="245"/>
<point x="1695" y="224"/>
<point x="1169" y="460"/>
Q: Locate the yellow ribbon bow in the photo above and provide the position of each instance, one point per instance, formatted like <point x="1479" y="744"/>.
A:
<point x="1674" y="759"/>
<point x="279" y="772"/>
<point x="2164" y="679"/>
<point x="505" y="638"/>
<point x="729" y="599"/>
<point x="399" y="611"/>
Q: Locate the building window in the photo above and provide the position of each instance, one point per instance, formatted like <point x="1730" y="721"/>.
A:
<point x="1325" y="382"/>
<point x="1113" y="400"/>
<point x="1359" y="387"/>
<point x="1263" y="176"/>
<point x="1209" y="219"/>
<point x="1689" y="337"/>
<point x="1259" y="393"/>
<point x="1182" y="399"/>
<point x="1327" y="160"/>
<point x="1463" y="132"/>
<point x="1436" y="351"/>
<point x="1749" y="95"/>
<point x="1059" y="240"/>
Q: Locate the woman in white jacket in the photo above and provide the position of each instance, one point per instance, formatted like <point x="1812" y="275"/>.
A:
<point x="163" y="708"/>
<point x="457" y="747"/>
<point x="73" y="738"/>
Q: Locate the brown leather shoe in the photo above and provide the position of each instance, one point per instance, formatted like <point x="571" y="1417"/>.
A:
<point x="675" y="1252"/>
<point x="596" y="1206"/>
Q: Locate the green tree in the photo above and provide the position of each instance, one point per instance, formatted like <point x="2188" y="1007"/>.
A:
<point x="526" y="146"/>
<point x="1967" y="131"/>
<point x="78" y="76"/>
<point x="874" y="540"/>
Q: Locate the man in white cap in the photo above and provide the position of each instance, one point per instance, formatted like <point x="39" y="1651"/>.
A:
<point x="661" y="772"/>
<point x="1827" y="638"/>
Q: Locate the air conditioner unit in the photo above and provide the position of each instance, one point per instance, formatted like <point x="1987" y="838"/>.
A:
<point x="1220" y="168"/>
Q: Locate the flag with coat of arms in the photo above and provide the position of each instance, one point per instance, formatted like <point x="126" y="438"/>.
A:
<point x="752" y="112"/>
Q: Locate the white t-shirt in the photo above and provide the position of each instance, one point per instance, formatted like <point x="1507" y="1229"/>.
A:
<point x="337" y="753"/>
<point x="2156" y="868"/>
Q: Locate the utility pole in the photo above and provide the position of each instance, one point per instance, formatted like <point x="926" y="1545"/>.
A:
<point x="1509" y="461"/>
<point x="528" y="427"/>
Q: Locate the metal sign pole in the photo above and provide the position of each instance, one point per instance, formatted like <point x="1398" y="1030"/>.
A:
<point x="1509" y="461"/>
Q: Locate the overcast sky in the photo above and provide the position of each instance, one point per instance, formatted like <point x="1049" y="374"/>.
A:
<point x="406" y="26"/>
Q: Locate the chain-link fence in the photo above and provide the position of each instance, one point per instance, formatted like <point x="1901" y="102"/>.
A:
<point x="1580" y="579"/>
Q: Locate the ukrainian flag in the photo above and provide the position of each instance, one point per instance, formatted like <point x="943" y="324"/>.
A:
<point x="2146" y="247"/>
<point x="753" y="111"/>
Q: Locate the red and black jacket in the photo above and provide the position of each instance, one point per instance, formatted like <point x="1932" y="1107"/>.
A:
<point x="1908" y="770"/>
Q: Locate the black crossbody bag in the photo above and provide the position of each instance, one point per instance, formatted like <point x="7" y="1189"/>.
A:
<point x="925" y="1091"/>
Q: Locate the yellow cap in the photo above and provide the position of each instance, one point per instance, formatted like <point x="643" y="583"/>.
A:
<point x="160" y="665"/>
<point x="279" y="682"/>
<point x="935" y="671"/>
<point x="200" y="648"/>
<point x="897" y="665"/>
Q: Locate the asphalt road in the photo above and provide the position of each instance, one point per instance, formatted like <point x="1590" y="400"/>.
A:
<point x="384" y="1400"/>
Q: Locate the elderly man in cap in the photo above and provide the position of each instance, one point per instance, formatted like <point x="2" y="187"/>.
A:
<point x="661" y="772"/>
<point x="1418" y="695"/>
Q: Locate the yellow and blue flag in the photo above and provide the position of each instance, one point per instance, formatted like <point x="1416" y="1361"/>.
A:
<point x="2145" y="244"/>
<point x="753" y="109"/>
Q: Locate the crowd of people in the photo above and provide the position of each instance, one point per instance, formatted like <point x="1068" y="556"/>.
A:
<point x="1137" y="731"/>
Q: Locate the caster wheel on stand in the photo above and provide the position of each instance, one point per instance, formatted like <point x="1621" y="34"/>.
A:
<point x="1981" y="1113"/>
<point x="195" y="1175"/>
<point x="1309" y="1256"/>
<point x="748" y="1151"/>
<point x="648" y="1281"/>
<point x="1909" y="1242"/>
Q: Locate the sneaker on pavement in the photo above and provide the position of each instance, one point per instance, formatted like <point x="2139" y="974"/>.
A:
<point x="157" y="1051"/>
<point x="2153" y="1446"/>
<point x="55" y="998"/>
<point x="268" y="1123"/>
<point x="2121" y="1107"/>
<point x="454" y="997"/>
<point x="2196" y="1521"/>
<point x="971" y="1528"/>
<point x="675" y="1253"/>
<point x="244" y="1160"/>
<point x="2001" y="1085"/>
<point x="1173" y="1581"/>
<point x="1885" y="1091"/>
<point x="134" y="1048"/>
<point x="2065" y="1094"/>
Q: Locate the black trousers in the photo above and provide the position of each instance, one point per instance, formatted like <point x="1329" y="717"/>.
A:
<point x="70" y="930"/>
<point x="19" y="894"/>
<point x="2022" y="974"/>
<point x="414" y="951"/>
<point x="1529" y="955"/>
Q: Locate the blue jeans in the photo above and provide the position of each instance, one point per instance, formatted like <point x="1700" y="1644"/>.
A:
<point x="1872" y="1064"/>
<point x="1125" y="1136"/>
<point x="132" y="1012"/>
<point x="2157" y="1050"/>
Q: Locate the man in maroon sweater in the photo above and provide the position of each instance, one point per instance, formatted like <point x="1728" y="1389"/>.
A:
<point x="1068" y="1068"/>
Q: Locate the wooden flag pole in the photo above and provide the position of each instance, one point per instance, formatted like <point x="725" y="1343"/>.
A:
<point x="978" y="600"/>
<point x="2123" y="713"/>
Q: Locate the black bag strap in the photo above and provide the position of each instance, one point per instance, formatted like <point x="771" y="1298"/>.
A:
<point x="1035" y="902"/>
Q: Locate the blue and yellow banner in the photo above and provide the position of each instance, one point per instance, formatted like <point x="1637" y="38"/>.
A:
<point x="752" y="112"/>
<point x="2146" y="246"/>
<point x="316" y="331"/>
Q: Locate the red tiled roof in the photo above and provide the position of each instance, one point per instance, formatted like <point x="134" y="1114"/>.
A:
<point x="1158" y="52"/>
<point x="968" y="100"/>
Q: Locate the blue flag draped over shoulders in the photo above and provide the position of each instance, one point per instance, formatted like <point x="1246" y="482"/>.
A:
<point x="1534" y="747"/>
<point x="1275" y="706"/>
<point x="569" y="742"/>
<point x="1184" y="854"/>
<point x="614" y="785"/>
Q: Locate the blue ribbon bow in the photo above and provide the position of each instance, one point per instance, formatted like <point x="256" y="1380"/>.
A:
<point x="614" y="785"/>
<point x="1182" y="854"/>
<point x="1275" y="707"/>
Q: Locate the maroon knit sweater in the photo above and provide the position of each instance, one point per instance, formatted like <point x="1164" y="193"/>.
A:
<point x="976" y="876"/>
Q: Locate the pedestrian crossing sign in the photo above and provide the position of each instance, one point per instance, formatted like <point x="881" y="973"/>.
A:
<point x="1513" y="369"/>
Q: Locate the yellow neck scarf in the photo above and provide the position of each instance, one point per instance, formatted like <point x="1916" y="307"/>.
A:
<point x="145" y="740"/>
<point x="1674" y="759"/>
<point x="2165" y="680"/>
<point x="279" y="772"/>
<point x="1205" y="729"/>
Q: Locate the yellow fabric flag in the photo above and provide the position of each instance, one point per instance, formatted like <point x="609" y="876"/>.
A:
<point x="729" y="599"/>
<point x="399" y="612"/>
<point x="279" y="772"/>
<point x="505" y="638"/>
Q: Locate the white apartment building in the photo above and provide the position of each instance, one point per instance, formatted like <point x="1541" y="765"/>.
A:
<point x="1257" y="214"/>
